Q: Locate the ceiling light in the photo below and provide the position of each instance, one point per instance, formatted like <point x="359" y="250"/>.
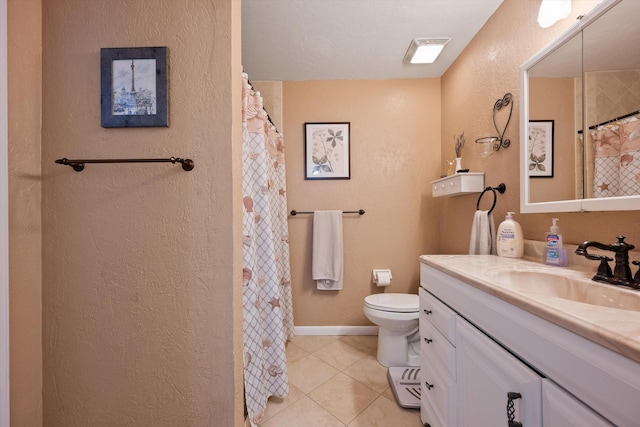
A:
<point x="551" y="11"/>
<point x="424" y="51"/>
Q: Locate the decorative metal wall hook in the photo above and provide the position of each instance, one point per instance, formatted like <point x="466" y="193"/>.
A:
<point x="499" y="141"/>
<point x="506" y="100"/>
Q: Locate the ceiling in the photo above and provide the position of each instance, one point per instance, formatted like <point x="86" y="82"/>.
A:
<point x="353" y="39"/>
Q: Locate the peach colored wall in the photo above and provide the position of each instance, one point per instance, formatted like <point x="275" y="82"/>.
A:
<point x="486" y="70"/>
<point x="395" y="131"/>
<point x="25" y="223"/>
<point x="142" y="263"/>
<point x="554" y="99"/>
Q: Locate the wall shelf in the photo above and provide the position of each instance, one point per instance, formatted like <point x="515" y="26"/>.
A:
<point x="458" y="184"/>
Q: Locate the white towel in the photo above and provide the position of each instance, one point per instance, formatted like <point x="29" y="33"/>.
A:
<point x="327" y="265"/>
<point x="483" y="238"/>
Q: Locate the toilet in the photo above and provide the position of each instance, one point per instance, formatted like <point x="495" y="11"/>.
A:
<point x="398" y="336"/>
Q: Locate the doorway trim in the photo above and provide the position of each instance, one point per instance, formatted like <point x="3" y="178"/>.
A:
<point x="4" y="223"/>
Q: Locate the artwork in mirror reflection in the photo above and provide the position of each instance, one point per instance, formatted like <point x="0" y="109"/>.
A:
<point x="591" y="82"/>
<point x="540" y="148"/>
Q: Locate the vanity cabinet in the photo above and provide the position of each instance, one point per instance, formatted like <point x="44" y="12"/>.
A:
<point x="561" y="379"/>
<point x="562" y="409"/>
<point x="492" y="382"/>
<point x="437" y="362"/>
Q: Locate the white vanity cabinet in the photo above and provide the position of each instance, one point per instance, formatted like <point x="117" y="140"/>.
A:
<point x="562" y="409"/>
<point x="494" y="387"/>
<point x="437" y="362"/>
<point x="562" y="378"/>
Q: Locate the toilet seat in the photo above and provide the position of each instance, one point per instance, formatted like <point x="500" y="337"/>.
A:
<point x="395" y="303"/>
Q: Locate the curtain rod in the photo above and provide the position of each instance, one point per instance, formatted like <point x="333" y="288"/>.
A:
<point x="78" y="165"/>
<point x="612" y="120"/>
<point x="295" y="212"/>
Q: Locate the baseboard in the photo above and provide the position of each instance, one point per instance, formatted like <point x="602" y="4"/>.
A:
<point x="335" y="330"/>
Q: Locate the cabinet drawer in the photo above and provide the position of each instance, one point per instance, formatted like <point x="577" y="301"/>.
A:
<point x="438" y="390"/>
<point x="440" y="316"/>
<point x="436" y="350"/>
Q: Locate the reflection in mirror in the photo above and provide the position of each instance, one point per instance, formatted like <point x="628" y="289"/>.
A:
<point x="590" y="75"/>
<point x="555" y="94"/>
<point x="612" y="100"/>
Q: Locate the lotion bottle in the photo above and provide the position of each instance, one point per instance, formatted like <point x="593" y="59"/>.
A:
<point x="554" y="253"/>
<point x="510" y="242"/>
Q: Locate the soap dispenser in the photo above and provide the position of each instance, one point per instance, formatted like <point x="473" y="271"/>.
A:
<point x="554" y="253"/>
<point x="510" y="242"/>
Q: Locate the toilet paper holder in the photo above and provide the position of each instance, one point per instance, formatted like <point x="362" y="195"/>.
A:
<point x="382" y="277"/>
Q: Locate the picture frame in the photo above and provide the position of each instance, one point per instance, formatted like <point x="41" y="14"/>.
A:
<point x="133" y="83"/>
<point x="540" y="148"/>
<point x="327" y="150"/>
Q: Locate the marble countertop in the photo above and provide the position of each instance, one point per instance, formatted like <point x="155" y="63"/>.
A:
<point x="610" y="326"/>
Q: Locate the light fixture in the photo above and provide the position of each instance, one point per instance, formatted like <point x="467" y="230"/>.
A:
<point x="424" y="51"/>
<point x="551" y="11"/>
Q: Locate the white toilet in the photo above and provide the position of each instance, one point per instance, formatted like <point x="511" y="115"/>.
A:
<point x="398" y="336"/>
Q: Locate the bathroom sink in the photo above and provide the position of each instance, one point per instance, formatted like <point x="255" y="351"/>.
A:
<point x="565" y="285"/>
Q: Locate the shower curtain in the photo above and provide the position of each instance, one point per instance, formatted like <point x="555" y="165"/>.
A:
<point x="267" y="306"/>
<point x="617" y="158"/>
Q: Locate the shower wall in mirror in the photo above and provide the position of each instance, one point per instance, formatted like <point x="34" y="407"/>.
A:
<point x="588" y="82"/>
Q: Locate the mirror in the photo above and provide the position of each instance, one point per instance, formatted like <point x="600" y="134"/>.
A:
<point x="580" y="97"/>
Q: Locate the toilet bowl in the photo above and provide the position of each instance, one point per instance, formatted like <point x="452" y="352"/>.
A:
<point x="398" y="336"/>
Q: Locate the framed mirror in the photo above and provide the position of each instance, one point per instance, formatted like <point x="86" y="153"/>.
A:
<point x="587" y="83"/>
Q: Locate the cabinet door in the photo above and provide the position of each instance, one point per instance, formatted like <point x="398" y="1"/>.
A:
<point x="560" y="409"/>
<point x="487" y="374"/>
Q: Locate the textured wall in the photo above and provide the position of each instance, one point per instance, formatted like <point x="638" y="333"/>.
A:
<point x="25" y="223"/>
<point x="555" y="100"/>
<point x="395" y="129"/>
<point x="486" y="70"/>
<point x="141" y="291"/>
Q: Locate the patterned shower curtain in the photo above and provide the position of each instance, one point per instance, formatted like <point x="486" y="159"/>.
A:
<point x="617" y="158"/>
<point x="268" y="312"/>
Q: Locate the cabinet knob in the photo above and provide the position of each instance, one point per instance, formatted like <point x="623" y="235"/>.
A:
<point x="428" y="340"/>
<point x="511" y="411"/>
<point x="427" y="312"/>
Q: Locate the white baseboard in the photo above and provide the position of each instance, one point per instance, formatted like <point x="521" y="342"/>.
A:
<point x="335" y="330"/>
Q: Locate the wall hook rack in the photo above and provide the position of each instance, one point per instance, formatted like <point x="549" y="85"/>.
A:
<point x="78" y="165"/>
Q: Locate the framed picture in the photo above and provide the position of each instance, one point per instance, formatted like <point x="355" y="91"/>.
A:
<point x="326" y="151"/>
<point x="133" y="87"/>
<point x="540" y="148"/>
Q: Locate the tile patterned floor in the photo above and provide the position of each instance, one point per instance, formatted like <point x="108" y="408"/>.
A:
<point x="337" y="381"/>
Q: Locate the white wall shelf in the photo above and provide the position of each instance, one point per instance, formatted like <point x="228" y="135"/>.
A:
<point x="458" y="184"/>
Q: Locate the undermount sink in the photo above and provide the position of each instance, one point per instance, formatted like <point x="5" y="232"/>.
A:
<point x="562" y="284"/>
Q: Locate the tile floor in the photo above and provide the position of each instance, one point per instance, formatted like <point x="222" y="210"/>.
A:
<point x="337" y="381"/>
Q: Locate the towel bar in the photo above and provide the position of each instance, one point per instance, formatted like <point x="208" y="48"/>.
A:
<point x="295" y="212"/>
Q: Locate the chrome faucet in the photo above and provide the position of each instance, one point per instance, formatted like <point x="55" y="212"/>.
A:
<point x="621" y="274"/>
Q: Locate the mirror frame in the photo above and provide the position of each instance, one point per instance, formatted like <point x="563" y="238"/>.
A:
<point x="619" y="203"/>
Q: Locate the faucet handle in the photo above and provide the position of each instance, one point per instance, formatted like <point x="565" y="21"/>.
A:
<point x="621" y="245"/>
<point x="604" y="270"/>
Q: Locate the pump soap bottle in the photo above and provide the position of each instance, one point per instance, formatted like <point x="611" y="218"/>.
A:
<point x="510" y="242"/>
<point x="554" y="253"/>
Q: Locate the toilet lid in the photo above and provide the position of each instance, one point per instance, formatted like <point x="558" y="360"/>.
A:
<point x="399" y="303"/>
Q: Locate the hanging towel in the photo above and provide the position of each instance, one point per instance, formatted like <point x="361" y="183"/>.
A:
<point x="327" y="265"/>
<point x="483" y="238"/>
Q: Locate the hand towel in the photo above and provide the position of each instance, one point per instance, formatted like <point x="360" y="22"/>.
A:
<point x="327" y="264"/>
<point x="483" y="238"/>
